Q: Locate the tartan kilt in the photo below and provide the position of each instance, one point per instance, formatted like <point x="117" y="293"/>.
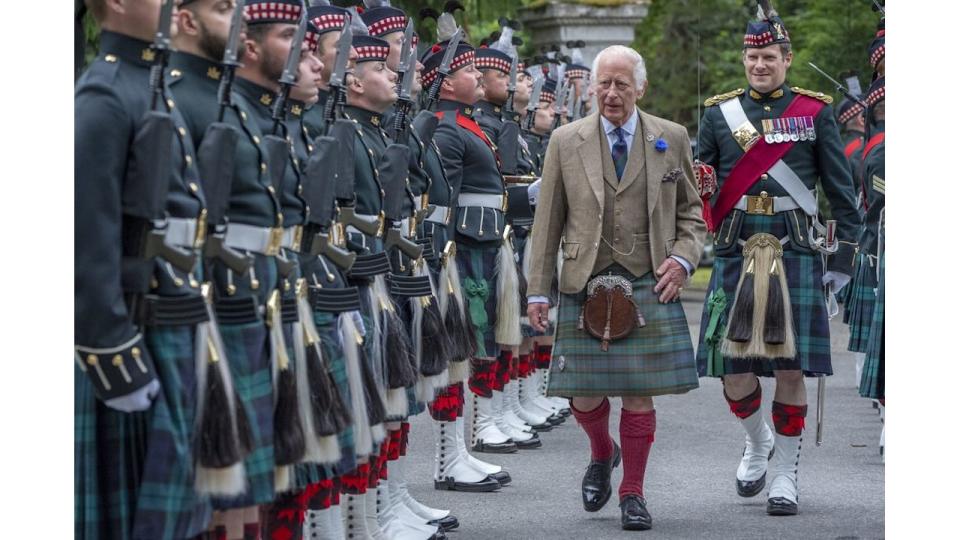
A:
<point x="336" y="365"/>
<point x="804" y="272"/>
<point x="654" y="360"/>
<point x="477" y="264"/>
<point x="872" y="380"/>
<point x="133" y="472"/>
<point x="248" y="354"/>
<point x="859" y="309"/>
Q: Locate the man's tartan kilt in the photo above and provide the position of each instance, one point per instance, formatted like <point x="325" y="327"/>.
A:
<point x="804" y="273"/>
<point x="872" y="380"/>
<point x="477" y="264"/>
<point x="654" y="360"/>
<point x="859" y="307"/>
<point x="248" y="354"/>
<point x="133" y="472"/>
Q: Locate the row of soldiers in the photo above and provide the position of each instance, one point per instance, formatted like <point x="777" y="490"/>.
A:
<point x="279" y="261"/>
<point x="862" y="115"/>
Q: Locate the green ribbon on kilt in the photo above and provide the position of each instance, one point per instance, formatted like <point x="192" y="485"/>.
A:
<point x="477" y="291"/>
<point x="716" y="328"/>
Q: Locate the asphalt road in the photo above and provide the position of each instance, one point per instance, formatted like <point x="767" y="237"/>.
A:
<point x="690" y="475"/>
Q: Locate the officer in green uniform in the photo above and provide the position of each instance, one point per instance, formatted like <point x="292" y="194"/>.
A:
<point x="139" y="221"/>
<point x="765" y="213"/>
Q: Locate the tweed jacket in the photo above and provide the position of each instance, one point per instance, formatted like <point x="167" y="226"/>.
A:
<point x="570" y="209"/>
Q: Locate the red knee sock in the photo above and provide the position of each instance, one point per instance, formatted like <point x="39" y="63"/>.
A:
<point x="543" y="356"/>
<point x="504" y="361"/>
<point x="789" y="420"/>
<point x="355" y="482"/>
<point x="405" y="438"/>
<point x="636" y="438"/>
<point x="251" y="531"/>
<point x="447" y="406"/>
<point x="746" y="406"/>
<point x="596" y="424"/>
<point x="282" y="520"/>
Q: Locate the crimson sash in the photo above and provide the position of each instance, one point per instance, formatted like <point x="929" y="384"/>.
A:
<point x="472" y="126"/>
<point x="758" y="160"/>
<point x="852" y="147"/>
<point x="871" y="144"/>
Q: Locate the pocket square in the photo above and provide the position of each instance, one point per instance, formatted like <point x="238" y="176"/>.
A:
<point x="673" y="175"/>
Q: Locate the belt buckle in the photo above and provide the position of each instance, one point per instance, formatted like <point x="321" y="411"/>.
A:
<point x="275" y="241"/>
<point x="201" y="235"/>
<point x="505" y="204"/>
<point x="760" y="205"/>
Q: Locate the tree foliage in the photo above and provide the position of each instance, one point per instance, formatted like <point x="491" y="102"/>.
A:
<point x="693" y="47"/>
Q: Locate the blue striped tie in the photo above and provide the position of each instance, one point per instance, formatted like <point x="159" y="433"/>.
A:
<point x="619" y="153"/>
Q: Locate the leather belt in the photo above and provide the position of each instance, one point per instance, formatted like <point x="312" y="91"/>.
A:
<point x="440" y="214"/>
<point x="186" y="232"/>
<point x="237" y="310"/>
<point x="263" y="240"/>
<point x="409" y="286"/>
<point x="373" y="264"/>
<point x="485" y="200"/>
<point x="173" y="310"/>
<point x="292" y="237"/>
<point x="766" y="205"/>
<point x="334" y="300"/>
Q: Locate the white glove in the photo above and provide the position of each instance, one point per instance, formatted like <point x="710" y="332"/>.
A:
<point x="835" y="281"/>
<point x="533" y="192"/>
<point x="138" y="400"/>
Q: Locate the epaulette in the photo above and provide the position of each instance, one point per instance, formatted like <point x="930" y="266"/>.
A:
<point x="818" y="95"/>
<point x="720" y="98"/>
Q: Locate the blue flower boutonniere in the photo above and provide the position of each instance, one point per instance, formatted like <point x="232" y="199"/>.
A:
<point x="661" y="145"/>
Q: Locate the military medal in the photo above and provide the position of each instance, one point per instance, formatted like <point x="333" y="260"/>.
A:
<point x="778" y="131"/>
<point x="801" y="129"/>
<point x="767" y="131"/>
<point x="811" y="132"/>
<point x="794" y="133"/>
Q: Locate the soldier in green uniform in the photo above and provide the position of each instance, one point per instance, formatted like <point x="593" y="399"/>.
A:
<point x="765" y="312"/>
<point x="254" y="218"/>
<point x="328" y="22"/>
<point x="860" y="303"/>
<point x="484" y="254"/>
<point x="139" y="214"/>
<point x="872" y="382"/>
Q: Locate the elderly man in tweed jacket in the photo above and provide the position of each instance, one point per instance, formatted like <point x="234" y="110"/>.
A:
<point x="618" y="197"/>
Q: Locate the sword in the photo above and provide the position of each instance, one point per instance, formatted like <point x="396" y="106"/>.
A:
<point x="230" y="59"/>
<point x="821" y="396"/>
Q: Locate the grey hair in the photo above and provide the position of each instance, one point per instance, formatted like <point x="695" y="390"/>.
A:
<point x="639" y="67"/>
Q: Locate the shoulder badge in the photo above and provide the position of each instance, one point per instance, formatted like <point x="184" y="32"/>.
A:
<point x="720" y="98"/>
<point x="818" y="95"/>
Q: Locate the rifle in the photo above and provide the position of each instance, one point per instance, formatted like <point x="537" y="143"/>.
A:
<point x="393" y="176"/>
<point x="534" y="104"/>
<point x="508" y="109"/>
<point x="558" y="104"/>
<point x="215" y="159"/>
<point x="337" y="98"/>
<point x="434" y="93"/>
<point x="840" y="87"/>
<point x="405" y="72"/>
<point x="145" y="192"/>
<point x="572" y="105"/>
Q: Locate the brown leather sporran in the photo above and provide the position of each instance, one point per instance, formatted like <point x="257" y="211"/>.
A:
<point x="609" y="312"/>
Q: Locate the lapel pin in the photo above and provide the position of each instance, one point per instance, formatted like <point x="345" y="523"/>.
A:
<point x="661" y="145"/>
<point x="649" y="137"/>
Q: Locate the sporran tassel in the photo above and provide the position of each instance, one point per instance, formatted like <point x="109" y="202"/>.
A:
<point x="289" y="444"/>
<point x="223" y="434"/>
<point x="507" y="331"/>
<point x="741" y="318"/>
<point x="774" y="320"/>
<point x="399" y="353"/>
<point x="767" y="313"/>
<point x="350" y="342"/>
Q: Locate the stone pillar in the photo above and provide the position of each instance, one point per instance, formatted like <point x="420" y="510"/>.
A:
<point x="556" y="22"/>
